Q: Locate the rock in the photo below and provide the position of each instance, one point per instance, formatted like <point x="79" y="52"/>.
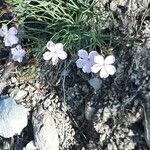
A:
<point x="113" y="6"/>
<point x="106" y="114"/>
<point x="30" y="146"/>
<point x="13" y="117"/>
<point x="89" y="111"/>
<point x="95" y="83"/>
<point x="20" y="95"/>
<point x="30" y="88"/>
<point x="45" y="133"/>
<point x="15" y="81"/>
<point x="6" y="145"/>
<point x="2" y="86"/>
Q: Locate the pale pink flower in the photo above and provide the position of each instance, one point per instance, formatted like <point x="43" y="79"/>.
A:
<point x="18" y="53"/>
<point x="28" y="1"/>
<point x="9" y="35"/>
<point x="86" y="60"/>
<point x="104" y="65"/>
<point x="55" y="52"/>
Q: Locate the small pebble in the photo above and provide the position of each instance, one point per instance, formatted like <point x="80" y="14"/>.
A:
<point x="21" y="94"/>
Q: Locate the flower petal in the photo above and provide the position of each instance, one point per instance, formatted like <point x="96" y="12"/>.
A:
<point x="17" y="53"/>
<point x="50" y="46"/>
<point x="109" y="60"/>
<point x="99" y="59"/>
<point x="18" y="47"/>
<point x="3" y="30"/>
<point x="80" y="63"/>
<point x="17" y="58"/>
<point x="110" y="69"/>
<point x="58" y="47"/>
<point x="6" y="41"/>
<point x="87" y="67"/>
<point x="13" y="39"/>
<point x="96" y="68"/>
<point x="92" y="54"/>
<point x="10" y="40"/>
<point x="54" y="59"/>
<point x="2" y="33"/>
<point x="21" y="51"/>
<point x="83" y="54"/>
<point x="47" y="55"/>
<point x="17" y="50"/>
<point x="103" y="73"/>
<point x="62" y="54"/>
<point x="13" y="31"/>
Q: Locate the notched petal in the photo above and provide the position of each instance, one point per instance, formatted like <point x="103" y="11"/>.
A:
<point x="83" y="54"/>
<point x="17" y="53"/>
<point x="99" y="59"/>
<point x="109" y="60"/>
<point x="47" y="55"/>
<point x="59" y="47"/>
<point x="50" y="46"/>
<point x="62" y="55"/>
<point x="80" y="63"/>
<point x="13" y="39"/>
<point x="103" y="73"/>
<point x="13" y="31"/>
<point x="4" y="29"/>
<point x="92" y="54"/>
<point x="54" y="59"/>
<point x="2" y="33"/>
<point x="86" y="68"/>
<point x="110" y="69"/>
<point x="96" y="68"/>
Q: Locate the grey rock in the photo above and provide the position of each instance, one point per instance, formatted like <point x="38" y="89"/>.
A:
<point x="113" y="6"/>
<point x="30" y="146"/>
<point x="2" y="85"/>
<point x="21" y="94"/>
<point x="95" y="83"/>
<point x="6" y="145"/>
<point x="89" y="112"/>
<point x="13" y="117"/>
<point x="45" y="132"/>
<point x="15" y="81"/>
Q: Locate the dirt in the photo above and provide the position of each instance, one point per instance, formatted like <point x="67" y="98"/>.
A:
<point x="113" y="118"/>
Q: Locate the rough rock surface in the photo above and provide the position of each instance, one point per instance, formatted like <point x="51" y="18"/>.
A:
<point x="114" y="116"/>
<point x="13" y="117"/>
<point x="45" y="132"/>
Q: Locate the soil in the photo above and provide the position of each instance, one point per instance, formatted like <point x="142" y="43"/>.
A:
<point x="115" y="117"/>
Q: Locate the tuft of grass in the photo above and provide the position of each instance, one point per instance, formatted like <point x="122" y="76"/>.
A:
<point x="77" y="24"/>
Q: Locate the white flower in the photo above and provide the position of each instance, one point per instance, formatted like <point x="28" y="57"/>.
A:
<point x="9" y="35"/>
<point x="28" y="1"/>
<point x="104" y="66"/>
<point x="18" y="53"/>
<point x="3" y="30"/>
<point x="86" y="60"/>
<point x="55" y="52"/>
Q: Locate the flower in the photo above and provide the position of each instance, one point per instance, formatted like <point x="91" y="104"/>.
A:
<point x="104" y="65"/>
<point x="55" y="52"/>
<point x="9" y="35"/>
<point x="28" y="1"/>
<point x="3" y="30"/>
<point x="18" y="53"/>
<point x="86" y="60"/>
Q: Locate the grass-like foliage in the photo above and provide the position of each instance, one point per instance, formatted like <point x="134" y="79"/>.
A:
<point x="76" y="23"/>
